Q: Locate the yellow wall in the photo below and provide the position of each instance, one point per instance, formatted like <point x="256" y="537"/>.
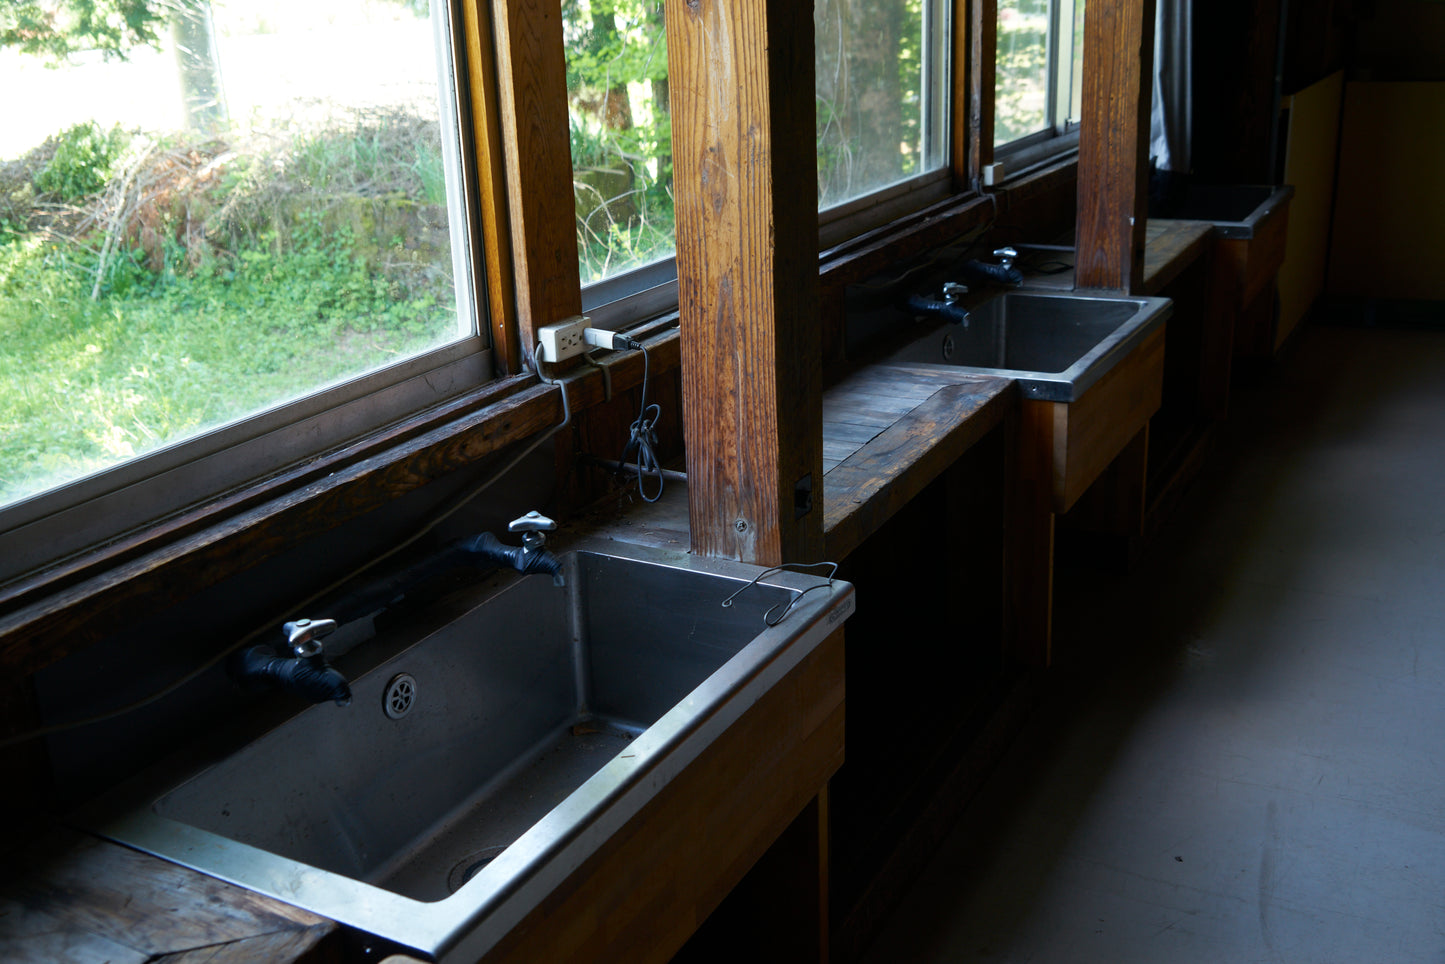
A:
<point x="1389" y="224"/>
<point x="1309" y="165"/>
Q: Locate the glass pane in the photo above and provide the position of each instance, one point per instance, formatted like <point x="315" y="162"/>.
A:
<point x="1075" y="100"/>
<point x="1021" y="86"/>
<point x="617" y="108"/>
<point x="224" y="206"/>
<point x="882" y="82"/>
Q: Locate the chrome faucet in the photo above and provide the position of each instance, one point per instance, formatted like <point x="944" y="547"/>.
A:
<point x="530" y="557"/>
<point x="1004" y="273"/>
<point x="299" y="667"/>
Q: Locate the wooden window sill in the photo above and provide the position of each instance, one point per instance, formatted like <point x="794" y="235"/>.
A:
<point x="49" y="615"/>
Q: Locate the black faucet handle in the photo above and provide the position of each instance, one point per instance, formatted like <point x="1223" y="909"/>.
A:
<point x="304" y="635"/>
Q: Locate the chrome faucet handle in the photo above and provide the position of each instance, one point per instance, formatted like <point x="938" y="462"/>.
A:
<point x="533" y="521"/>
<point x="1007" y="256"/>
<point x="952" y="291"/>
<point x="304" y="635"/>
<point x="534" y="527"/>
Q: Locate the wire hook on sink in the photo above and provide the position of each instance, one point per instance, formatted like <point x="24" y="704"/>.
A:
<point x="792" y="601"/>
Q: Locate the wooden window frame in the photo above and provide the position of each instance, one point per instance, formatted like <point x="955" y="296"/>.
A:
<point x="514" y="68"/>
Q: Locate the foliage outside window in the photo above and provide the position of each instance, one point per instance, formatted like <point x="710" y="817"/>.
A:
<point x="1038" y="68"/>
<point x="882" y="74"/>
<point x="882" y="83"/>
<point x="208" y="209"/>
<point x="621" y="133"/>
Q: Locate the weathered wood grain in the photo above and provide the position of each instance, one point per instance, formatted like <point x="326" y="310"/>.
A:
<point x="1114" y="144"/>
<point x="868" y="487"/>
<point x="303" y="946"/>
<point x="982" y="75"/>
<point x="741" y="84"/>
<point x="91" y="886"/>
<point x="29" y="936"/>
<point x="1169" y="248"/>
<point x="488" y="170"/>
<point x="532" y="71"/>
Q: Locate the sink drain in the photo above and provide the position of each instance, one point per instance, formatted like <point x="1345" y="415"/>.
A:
<point x="469" y="867"/>
<point x="399" y="696"/>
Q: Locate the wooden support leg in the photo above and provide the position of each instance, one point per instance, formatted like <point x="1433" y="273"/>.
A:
<point x="1030" y="568"/>
<point x="778" y="913"/>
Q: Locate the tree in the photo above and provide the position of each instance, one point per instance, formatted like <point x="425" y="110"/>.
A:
<point x="56" y="29"/>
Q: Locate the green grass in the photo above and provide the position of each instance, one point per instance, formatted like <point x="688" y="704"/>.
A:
<point x="223" y="292"/>
<point x="162" y="355"/>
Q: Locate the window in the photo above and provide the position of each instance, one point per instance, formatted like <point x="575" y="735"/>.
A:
<point x="620" y="125"/>
<point x="882" y="107"/>
<point x="232" y="232"/>
<point x="882" y="78"/>
<point x="1038" y="70"/>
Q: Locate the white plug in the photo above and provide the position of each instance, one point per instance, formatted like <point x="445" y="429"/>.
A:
<point x="611" y="340"/>
<point x="564" y="339"/>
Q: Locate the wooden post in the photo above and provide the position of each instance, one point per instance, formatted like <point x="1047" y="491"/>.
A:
<point x="1114" y="144"/>
<point x="532" y="72"/>
<point x="741" y="78"/>
<point x="982" y="79"/>
<point x="489" y="169"/>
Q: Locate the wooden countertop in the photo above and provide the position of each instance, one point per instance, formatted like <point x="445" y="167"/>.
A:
<point x="1170" y="247"/>
<point x="71" y="897"/>
<point x="888" y="431"/>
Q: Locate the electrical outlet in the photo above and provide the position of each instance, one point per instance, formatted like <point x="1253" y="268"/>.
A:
<point x="564" y="339"/>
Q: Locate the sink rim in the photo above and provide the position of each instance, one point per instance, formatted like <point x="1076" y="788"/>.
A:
<point x="1071" y="383"/>
<point x="470" y="921"/>
<point x="1245" y="229"/>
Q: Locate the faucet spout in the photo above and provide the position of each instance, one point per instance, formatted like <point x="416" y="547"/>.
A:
<point x="490" y="550"/>
<point x="309" y="677"/>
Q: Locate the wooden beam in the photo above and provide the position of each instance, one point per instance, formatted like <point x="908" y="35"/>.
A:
<point x="491" y="187"/>
<point x="982" y="78"/>
<point x="532" y="72"/>
<point x="1114" y="144"/>
<point x="741" y="76"/>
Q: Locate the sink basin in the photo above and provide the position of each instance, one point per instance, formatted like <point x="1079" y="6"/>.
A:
<point x="480" y="765"/>
<point x="1235" y="210"/>
<point x="1054" y="344"/>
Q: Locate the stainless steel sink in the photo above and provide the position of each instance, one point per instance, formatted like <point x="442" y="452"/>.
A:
<point x="530" y="728"/>
<point x="1235" y="210"/>
<point x="1055" y="344"/>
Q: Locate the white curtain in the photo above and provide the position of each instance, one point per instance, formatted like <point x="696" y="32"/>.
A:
<point x="1171" y="119"/>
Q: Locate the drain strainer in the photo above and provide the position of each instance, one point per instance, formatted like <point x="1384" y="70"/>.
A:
<point x="469" y="867"/>
<point x="400" y="695"/>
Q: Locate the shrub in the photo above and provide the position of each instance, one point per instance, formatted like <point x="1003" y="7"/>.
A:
<point x="84" y="157"/>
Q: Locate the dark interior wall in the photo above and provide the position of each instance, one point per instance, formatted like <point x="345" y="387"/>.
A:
<point x="1236" y="50"/>
<point x="1396" y="40"/>
<point x="1385" y="243"/>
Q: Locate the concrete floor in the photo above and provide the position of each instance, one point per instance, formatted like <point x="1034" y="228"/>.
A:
<point x="1242" y="754"/>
